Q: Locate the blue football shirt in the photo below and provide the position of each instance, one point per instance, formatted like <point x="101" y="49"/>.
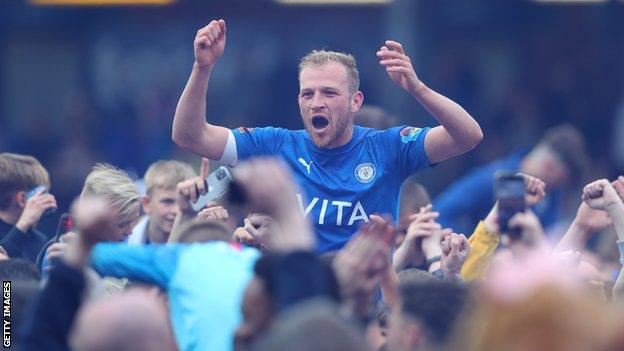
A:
<point x="343" y="186"/>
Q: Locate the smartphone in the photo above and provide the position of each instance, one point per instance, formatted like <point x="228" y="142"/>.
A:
<point x="32" y="192"/>
<point x="509" y="192"/>
<point x="217" y="183"/>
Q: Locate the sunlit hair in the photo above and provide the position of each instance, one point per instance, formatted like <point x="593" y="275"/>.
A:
<point x="165" y="174"/>
<point x="322" y="57"/>
<point x="114" y="186"/>
<point x="551" y="318"/>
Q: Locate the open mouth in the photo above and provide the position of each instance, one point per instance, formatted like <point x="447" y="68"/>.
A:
<point x="319" y="123"/>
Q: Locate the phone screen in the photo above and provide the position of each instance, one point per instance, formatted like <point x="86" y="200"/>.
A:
<point x="509" y="192"/>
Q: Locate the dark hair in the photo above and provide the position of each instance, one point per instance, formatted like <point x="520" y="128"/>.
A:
<point x="313" y="325"/>
<point x="16" y="269"/>
<point x="435" y="305"/>
<point x="370" y="116"/>
<point x="19" y="173"/>
<point x="568" y="143"/>
<point x="413" y="196"/>
<point x="201" y="232"/>
<point x="264" y="269"/>
<point x="415" y="275"/>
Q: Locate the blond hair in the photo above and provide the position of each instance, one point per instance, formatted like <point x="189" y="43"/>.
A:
<point x="114" y="186"/>
<point x="166" y="174"/>
<point x="322" y="57"/>
<point x="19" y="173"/>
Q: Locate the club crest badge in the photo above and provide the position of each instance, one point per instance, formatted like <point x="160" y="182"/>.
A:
<point x="409" y="134"/>
<point x="365" y="172"/>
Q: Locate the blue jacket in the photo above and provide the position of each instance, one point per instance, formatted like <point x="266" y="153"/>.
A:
<point x="204" y="282"/>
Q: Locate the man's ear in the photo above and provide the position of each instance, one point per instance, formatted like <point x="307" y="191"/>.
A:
<point x="356" y="102"/>
<point x="145" y="201"/>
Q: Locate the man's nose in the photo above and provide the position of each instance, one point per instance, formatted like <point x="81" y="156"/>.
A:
<point x="318" y="102"/>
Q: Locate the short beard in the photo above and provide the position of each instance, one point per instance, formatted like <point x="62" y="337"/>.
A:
<point x="338" y="131"/>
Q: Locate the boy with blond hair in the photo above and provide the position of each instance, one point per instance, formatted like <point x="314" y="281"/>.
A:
<point x="159" y="201"/>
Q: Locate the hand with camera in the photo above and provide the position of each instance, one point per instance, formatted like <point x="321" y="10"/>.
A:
<point x="534" y="189"/>
<point x="35" y="207"/>
<point x="529" y="227"/>
<point x="190" y="190"/>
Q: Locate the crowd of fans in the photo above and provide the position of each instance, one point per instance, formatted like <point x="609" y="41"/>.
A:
<point x="174" y="279"/>
<point x="127" y="271"/>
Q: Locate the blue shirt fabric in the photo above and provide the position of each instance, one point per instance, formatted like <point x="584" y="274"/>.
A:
<point x="344" y="185"/>
<point x="467" y="201"/>
<point x="204" y="283"/>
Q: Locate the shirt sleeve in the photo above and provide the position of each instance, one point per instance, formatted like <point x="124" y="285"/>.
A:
<point x="410" y="144"/>
<point x="470" y="198"/>
<point x="252" y="142"/>
<point x="53" y="310"/>
<point x="153" y="264"/>
<point x="482" y="247"/>
<point x="18" y="244"/>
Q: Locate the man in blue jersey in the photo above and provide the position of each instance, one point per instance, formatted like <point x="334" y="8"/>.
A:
<point x="346" y="172"/>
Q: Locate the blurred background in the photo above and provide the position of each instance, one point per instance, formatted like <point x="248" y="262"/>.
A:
<point x="84" y="84"/>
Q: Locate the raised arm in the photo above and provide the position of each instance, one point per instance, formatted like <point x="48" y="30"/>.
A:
<point x="458" y="133"/>
<point x="190" y="129"/>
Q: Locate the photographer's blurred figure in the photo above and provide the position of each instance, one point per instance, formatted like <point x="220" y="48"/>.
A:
<point x="159" y="201"/>
<point x="559" y="159"/>
<point x="19" y="215"/>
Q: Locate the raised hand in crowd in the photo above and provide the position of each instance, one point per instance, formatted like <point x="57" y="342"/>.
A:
<point x="534" y="192"/>
<point x="455" y="250"/>
<point x="270" y="189"/>
<point x="34" y="209"/>
<point x="190" y="190"/>
<point x="256" y="231"/>
<point x="531" y="231"/>
<point x="601" y="195"/>
<point x="187" y="192"/>
<point x="534" y="189"/>
<point x="590" y="219"/>
<point x="410" y="251"/>
<point x="212" y="211"/>
<point x="95" y="220"/>
<point x="58" y="249"/>
<point x="362" y="263"/>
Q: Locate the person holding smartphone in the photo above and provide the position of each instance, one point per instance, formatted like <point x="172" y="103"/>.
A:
<point x="24" y="198"/>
